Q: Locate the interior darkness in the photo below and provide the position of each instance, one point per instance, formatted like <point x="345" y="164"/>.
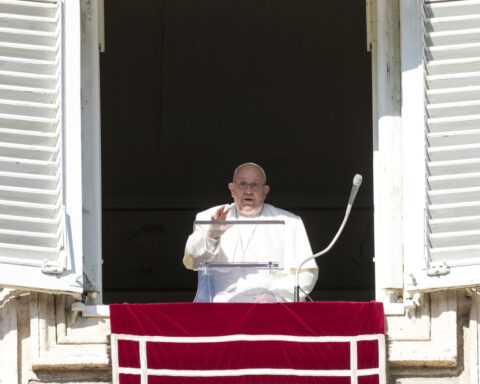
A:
<point x="192" y="88"/>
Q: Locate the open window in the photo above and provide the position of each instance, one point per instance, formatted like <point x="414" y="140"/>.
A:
<point x="441" y="98"/>
<point x="40" y="151"/>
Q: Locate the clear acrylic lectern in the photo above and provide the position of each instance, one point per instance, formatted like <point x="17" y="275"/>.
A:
<point x="243" y="264"/>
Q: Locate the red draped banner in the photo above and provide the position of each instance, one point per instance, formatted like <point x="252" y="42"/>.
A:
<point x="219" y="343"/>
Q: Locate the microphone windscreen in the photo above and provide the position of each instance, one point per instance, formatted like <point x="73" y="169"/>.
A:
<point x="357" y="180"/>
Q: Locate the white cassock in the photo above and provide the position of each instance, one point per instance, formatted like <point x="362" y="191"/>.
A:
<point x="248" y="243"/>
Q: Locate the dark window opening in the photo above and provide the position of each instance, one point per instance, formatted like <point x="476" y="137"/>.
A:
<point x="190" y="89"/>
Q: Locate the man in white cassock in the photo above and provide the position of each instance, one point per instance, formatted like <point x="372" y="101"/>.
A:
<point x="223" y="243"/>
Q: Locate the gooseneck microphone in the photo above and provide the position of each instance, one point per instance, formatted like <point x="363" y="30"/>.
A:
<point x="357" y="181"/>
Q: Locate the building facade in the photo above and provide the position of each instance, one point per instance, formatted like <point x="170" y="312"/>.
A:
<point x="425" y="69"/>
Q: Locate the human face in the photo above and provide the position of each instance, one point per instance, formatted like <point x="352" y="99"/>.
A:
<point x="249" y="200"/>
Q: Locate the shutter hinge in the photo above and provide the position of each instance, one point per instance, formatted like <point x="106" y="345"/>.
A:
<point x="438" y="269"/>
<point x="55" y="267"/>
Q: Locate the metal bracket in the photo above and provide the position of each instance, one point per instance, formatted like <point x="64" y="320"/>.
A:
<point x="438" y="269"/>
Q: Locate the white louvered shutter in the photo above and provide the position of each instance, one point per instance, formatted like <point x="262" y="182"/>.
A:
<point x="452" y="123"/>
<point x="34" y="235"/>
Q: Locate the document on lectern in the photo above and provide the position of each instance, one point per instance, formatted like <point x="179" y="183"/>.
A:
<point x="246" y="262"/>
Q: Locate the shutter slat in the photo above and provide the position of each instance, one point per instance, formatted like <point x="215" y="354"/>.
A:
<point x="454" y="152"/>
<point x="463" y="180"/>
<point x="454" y="195"/>
<point x="32" y="224"/>
<point x="452" y="8"/>
<point x="26" y="209"/>
<point x="435" y="96"/>
<point x="19" y="65"/>
<point x="453" y="80"/>
<point x="452" y="23"/>
<point x="28" y="108"/>
<point x="455" y="224"/>
<point x="33" y="24"/>
<point x="30" y="52"/>
<point x="455" y="253"/>
<point x="447" y="37"/>
<point x="29" y="8"/>
<point x="36" y="95"/>
<point x="23" y="79"/>
<point x="29" y="195"/>
<point x="13" y="253"/>
<point x="452" y="137"/>
<point x="35" y="239"/>
<point x="28" y="122"/>
<point x="27" y="253"/>
<point x="457" y="51"/>
<point x="29" y="166"/>
<point x="453" y="167"/>
<point x="19" y="36"/>
<point x="452" y="210"/>
<point x="455" y="123"/>
<point x="442" y="67"/>
<point x="454" y="239"/>
<point x="31" y="152"/>
<point x="29" y="137"/>
<point x="29" y="181"/>
<point x="437" y="110"/>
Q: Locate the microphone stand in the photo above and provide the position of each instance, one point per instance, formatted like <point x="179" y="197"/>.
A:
<point x="357" y="181"/>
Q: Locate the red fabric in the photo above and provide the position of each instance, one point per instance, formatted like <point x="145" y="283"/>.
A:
<point x="129" y="354"/>
<point x="267" y="354"/>
<point x="130" y="379"/>
<point x="367" y="351"/>
<point x="213" y="319"/>
<point x="271" y="379"/>
<point x="372" y="379"/>
<point x="342" y="322"/>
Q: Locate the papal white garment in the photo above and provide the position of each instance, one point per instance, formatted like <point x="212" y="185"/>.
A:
<point x="247" y="244"/>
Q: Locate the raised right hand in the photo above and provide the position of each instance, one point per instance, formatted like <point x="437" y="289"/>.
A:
<point x="217" y="230"/>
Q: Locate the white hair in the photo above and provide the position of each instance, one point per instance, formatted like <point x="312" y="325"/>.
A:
<point x="264" y="175"/>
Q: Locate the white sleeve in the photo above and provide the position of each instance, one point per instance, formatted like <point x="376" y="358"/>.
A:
<point x="306" y="280"/>
<point x="199" y="249"/>
<point x="302" y="246"/>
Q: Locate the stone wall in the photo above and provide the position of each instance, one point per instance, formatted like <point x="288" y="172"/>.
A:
<point x="43" y="341"/>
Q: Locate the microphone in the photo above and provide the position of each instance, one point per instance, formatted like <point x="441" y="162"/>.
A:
<point x="357" y="181"/>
